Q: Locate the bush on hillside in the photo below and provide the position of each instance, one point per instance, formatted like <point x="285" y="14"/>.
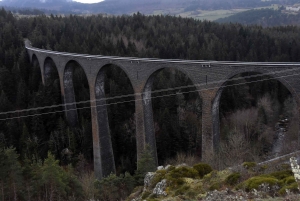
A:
<point x="115" y="187"/>
<point x="255" y="182"/>
<point x="233" y="178"/>
<point x="203" y="169"/>
<point x="249" y="165"/>
<point x="183" y="171"/>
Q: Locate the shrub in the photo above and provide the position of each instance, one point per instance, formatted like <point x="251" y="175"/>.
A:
<point x="281" y="174"/>
<point x="152" y="199"/>
<point x="183" y="172"/>
<point x="282" y="179"/>
<point x="159" y="175"/>
<point x="146" y="194"/>
<point x="210" y="175"/>
<point x="263" y="168"/>
<point x="255" y="182"/>
<point x="289" y="180"/>
<point x="183" y="158"/>
<point x="182" y="190"/>
<point x="145" y="164"/>
<point x="203" y="169"/>
<point x="174" y="182"/>
<point x="191" y="193"/>
<point x="293" y="187"/>
<point x="115" y="187"/>
<point x="215" y="186"/>
<point x="170" y="168"/>
<point x="249" y="165"/>
<point x="233" y="178"/>
<point x="285" y="167"/>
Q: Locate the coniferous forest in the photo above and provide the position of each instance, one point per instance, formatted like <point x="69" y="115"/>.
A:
<point x="263" y="17"/>
<point x="43" y="158"/>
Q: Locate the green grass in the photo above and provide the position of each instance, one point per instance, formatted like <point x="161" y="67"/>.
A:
<point x="210" y="15"/>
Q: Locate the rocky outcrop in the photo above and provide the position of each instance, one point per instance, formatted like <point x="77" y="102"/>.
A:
<point x="180" y="183"/>
<point x="296" y="170"/>
<point x="160" y="188"/>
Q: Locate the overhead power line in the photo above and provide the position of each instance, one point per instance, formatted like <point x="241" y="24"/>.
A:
<point x="157" y="91"/>
<point x="153" y="92"/>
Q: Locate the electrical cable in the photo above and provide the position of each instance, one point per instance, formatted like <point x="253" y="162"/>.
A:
<point x="153" y="92"/>
<point x="107" y="104"/>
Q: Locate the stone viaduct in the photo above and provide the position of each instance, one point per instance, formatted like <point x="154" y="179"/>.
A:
<point x="209" y="78"/>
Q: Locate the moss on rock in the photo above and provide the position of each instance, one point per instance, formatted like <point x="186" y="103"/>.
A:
<point x="255" y="182"/>
<point x="183" y="171"/>
<point x="182" y="190"/>
<point x="159" y="176"/>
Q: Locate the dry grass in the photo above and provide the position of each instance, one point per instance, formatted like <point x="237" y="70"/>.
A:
<point x="87" y="181"/>
<point x="181" y="158"/>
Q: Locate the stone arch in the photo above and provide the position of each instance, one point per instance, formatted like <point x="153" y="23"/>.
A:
<point x="147" y="106"/>
<point x="222" y="85"/>
<point x="50" y="68"/>
<point x="36" y="72"/>
<point x="100" y="78"/>
<point x="105" y="140"/>
<point x="68" y="92"/>
<point x="34" y="58"/>
<point x="127" y="71"/>
<point x="155" y="71"/>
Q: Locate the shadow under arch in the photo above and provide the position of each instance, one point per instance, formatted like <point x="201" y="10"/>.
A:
<point x="50" y="71"/>
<point x="36" y="74"/>
<point x="177" y="91"/>
<point x="74" y="77"/>
<point x="261" y="76"/>
<point x="34" y="60"/>
<point x="115" y="110"/>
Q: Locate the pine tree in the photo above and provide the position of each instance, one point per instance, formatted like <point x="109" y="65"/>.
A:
<point x="14" y="178"/>
<point x="25" y="143"/>
<point x="21" y="95"/>
<point x="3" y="173"/>
<point x="145" y="164"/>
<point x="29" y="179"/>
<point x="5" y="104"/>
<point x="53" y="179"/>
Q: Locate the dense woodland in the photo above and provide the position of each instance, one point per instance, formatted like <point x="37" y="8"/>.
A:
<point x="264" y="17"/>
<point x="31" y="145"/>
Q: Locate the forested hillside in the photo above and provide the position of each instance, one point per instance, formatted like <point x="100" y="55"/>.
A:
<point x="264" y="17"/>
<point x="38" y="139"/>
<point x="162" y="37"/>
<point x="174" y="7"/>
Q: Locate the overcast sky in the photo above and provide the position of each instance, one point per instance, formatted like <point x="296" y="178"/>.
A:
<point x="88" y="1"/>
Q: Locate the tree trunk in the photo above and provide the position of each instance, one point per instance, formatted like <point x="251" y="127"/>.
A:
<point x="15" y="192"/>
<point x="2" y="189"/>
<point x="28" y="192"/>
